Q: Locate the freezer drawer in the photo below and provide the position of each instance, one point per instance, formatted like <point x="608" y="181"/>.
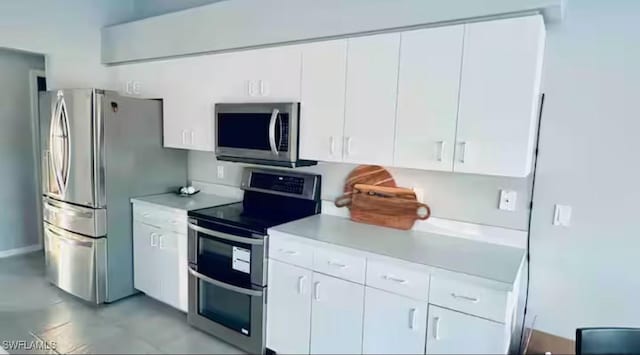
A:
<point x="86" y="221"/>
<point x="76" y="264"/>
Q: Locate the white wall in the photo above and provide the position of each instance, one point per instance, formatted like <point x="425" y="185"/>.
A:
<point x="463" y="197"/>
<point x="18" y="194"/>
<point x="587" y="274"/>
<point x="66" y="31"/>
<point x="148" y="8"/>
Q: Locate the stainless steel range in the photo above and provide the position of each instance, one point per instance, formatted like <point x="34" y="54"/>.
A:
<point x="228" y="253"/>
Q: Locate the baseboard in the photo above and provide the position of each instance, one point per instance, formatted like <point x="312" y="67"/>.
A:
<point x="20" y="251"/>
<point x="542" y="343"/>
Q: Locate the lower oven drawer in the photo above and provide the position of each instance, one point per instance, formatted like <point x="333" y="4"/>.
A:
<point x="230" y="312"/>
<point x="75" y="263"/>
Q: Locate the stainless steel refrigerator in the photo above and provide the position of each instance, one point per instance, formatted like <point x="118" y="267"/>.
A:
<point x="99" y="149"/>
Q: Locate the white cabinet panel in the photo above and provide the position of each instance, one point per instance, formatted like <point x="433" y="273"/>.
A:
<point x="257" y="75"/>
<point x="160" y="256"/>
<point x="370" y="112"/>
<point x="145" y="240"/>
<point x="469" y="298"/>
<point x="428" y="85"/>
<point x="393" y="324"/>
<point x="324" y="70"/>
<point x="168" y="268"/>
<point x="499" y="96"/>
<point x="288" y="309"/>
<point x="183" y="274"/>
<point x="451" y="332"/>
<point x="336" y="320"/>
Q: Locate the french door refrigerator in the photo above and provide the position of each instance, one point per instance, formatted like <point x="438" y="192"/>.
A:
<point x="99" y="149"/>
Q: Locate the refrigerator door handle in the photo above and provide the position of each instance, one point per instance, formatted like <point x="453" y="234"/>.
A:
<point x="52" y="151"/>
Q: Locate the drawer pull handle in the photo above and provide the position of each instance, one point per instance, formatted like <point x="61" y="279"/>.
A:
<point x="412" y="318"/>
<point x="466" y="298"/>
<point x="301" y="280"/>
<point x="146" y="215"/>
<point x="316" y="291"/>
<point x="337" y="264"/>
<point x="288" y="252"/>
<point x="395" y="279"/>
<point x="436" y="328"/>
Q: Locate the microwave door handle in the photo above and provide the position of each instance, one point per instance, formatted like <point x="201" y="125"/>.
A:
<point x="272" y="131"/>
<point x="281" y="132"/>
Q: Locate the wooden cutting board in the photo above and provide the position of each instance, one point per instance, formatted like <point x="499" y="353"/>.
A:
<point x="372" y="197"/>
<point x="368" y="175"/>
<point x="387" y="207"/>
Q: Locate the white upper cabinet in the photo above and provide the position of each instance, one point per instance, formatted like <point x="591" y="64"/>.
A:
<point x="499" y="96"/>
<point x="370" y="112"/>
<point x="428" y="86"/>
<point x="393" y="324"/>
<point x="324" y="69"/>
<point x="261" y="75"/>
<point x="451" y="332"/>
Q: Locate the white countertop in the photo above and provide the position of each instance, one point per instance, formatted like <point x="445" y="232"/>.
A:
<point x="476" y="258"/>
<point x="197" y="201"/>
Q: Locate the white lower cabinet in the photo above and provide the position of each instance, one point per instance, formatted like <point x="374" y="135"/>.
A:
<point x="288" y="308"/>
<point x="389" y="311"/>
<point x="393" y="324"/>
<point x="144" y="262"/>
<point x="451" y="332"/>
<point x="160" y="256"/>
<point x="336" y="316"/>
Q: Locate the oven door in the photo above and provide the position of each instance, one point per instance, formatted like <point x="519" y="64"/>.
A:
<point x="257" y="131"/>
<point x="234" y="314"/>
<point x="227" y="278"/>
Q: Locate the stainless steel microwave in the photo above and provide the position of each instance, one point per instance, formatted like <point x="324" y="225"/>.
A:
<point x="259" y="133"/>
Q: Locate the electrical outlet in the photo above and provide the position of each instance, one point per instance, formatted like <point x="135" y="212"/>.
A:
<point x="562" y="216"/>
<point x="508" y="200"/>
<point x="220" y="172"/>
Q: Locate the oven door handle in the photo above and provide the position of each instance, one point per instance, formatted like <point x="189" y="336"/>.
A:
<point x="233" y="288"/>
<point x="226" y="236"/>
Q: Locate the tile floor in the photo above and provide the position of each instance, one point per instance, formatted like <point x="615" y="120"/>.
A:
<point x="33" y="311"/>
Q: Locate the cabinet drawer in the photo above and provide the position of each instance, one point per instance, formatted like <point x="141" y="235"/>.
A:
<point x="341" y="265"/>
<point x="291" y="252"/>
<point x="398" y="279"/>
<point x="158" y="217"/>
<point x="469" y="298"/>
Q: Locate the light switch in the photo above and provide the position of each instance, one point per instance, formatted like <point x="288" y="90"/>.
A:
<point x="220" y="172"/>
<point x="508" y="200"/>
<point x="562" y="216"/>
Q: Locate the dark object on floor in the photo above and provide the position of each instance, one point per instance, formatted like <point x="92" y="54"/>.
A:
<point x="607" y="341"/>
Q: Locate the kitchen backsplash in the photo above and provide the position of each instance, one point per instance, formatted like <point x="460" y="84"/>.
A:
<point x="461" y="197"/>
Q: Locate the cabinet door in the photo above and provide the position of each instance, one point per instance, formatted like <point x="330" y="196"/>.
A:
<point x="183" y="273"/>
<point x="168" y="268"/>
<point x="336" y="316"/>
<point x="428" y="86"/>
<point x="257" y="75"/>
<point x="145" y="241"/>
<point x="324" y="68"/>
<point x="188" y="106"/>
<point x="288" y="308"/>
<point x="393" y="324"/>
<point x="499" y="96"/>
<point x="372" y="83"/>
<point x="451" y="332"/>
